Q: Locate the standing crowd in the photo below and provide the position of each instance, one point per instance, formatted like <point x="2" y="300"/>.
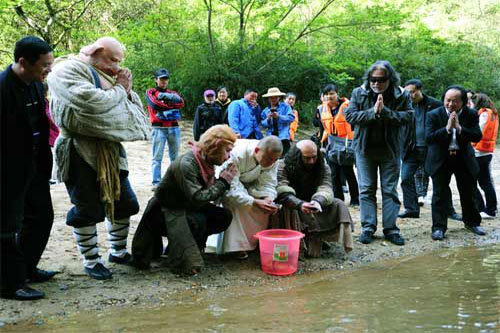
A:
<point x="243" y="173"/>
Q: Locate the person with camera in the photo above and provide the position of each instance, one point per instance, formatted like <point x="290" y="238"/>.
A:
<point x="277" y="117"/>
<point x="305" y="191"/>
<point x="378" y="110"/>
<point x="164" y="113"/>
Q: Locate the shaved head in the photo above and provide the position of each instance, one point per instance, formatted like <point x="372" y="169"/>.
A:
<point x="309" y="152"/>
<point x="106" y="53"/>
<point x="307" y="146"/>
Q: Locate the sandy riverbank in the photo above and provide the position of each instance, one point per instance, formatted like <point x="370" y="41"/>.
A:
<point x="72" y="290"/>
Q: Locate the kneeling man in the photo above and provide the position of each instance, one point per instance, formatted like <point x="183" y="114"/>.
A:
<point x="252" y="193"/>
<point x="182" y="207"/>
<point x="305" y="190"/>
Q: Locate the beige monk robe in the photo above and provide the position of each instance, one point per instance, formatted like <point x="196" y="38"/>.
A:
<point x="252" y="182"/>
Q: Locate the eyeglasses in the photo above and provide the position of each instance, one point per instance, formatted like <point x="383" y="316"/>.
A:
<point x="378" y="79"/>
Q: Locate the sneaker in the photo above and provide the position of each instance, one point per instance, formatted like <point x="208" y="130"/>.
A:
<point x="421" y="201"/>
<point x="98" y="272"/>
<point x="486" y="216"/>
<point x="396" y="239"/>
<point x="366" y="237"/>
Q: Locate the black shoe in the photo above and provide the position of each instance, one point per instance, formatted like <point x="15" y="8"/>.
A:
<point x="407" y="214"/>
<point x="354" y="204"/>
<point x="99" y="272"/>
<point x="396" y="239"/>
<point x="437" y="234"/>
<point x="24" y="294"/>
<point x="455" y="216"/>
<point x="40" y="275"/>
<point x="366" y="237"/>
<point x="475" y="229"/>
<point x="127" y="258"/>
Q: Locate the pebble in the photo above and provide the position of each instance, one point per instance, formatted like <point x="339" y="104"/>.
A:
<point x="63" y="287"/>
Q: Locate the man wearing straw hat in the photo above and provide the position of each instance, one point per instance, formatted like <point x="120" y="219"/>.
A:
<point x="277" y="117"/>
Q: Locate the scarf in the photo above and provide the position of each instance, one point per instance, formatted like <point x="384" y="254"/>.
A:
<point x="207" y="171"/>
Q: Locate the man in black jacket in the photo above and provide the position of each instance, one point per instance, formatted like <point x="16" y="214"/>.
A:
<point x="26" y="164"/>
<point x="379" y="110"/>
<point x="449" y="132"/>
<point x="414" y="150"/>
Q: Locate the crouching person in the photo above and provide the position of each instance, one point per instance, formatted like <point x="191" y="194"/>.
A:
<point x="182" y="208"/>
<point x="305" y="190"/>
<point x="252" y="193"/>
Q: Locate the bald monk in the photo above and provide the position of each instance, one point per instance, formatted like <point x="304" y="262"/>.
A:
<point x="305" y="191"/>
<point x="94" y="105"/>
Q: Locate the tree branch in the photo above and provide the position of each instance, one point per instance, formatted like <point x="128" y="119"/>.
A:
<point x="208" y="4"/>
<point x="299" y="36"/>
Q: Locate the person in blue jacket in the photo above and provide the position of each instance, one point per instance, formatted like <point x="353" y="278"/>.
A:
<point x="277" y="117"/>
<point x="244" y="116"/>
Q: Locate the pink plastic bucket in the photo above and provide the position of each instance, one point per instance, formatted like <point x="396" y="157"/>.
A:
<point x="279" y="250"/>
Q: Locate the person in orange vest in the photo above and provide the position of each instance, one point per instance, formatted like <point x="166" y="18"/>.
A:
<point x="488" y="122"/>
<point x="291" y="99"/>
<point x="334" y="124"/>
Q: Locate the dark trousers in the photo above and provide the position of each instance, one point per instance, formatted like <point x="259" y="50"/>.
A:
<point x="84" y="193"/>
<point x="286" y="146"/>
<point x="339" y="173"/>
<point x="414" y="161"/>
<point x="466" y="188"/>
<point x="25" y="233"/>
<point x="147" y="243"/>
<point x="486" y="183"/>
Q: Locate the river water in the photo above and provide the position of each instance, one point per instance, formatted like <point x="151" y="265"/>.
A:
<point x="445" y="291"/>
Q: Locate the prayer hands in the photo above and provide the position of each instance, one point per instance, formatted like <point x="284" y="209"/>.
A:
<point x="452" y="121"/>
<point x="379" y="104"/>
<point x="267" y="205"/>
<point x="229" y="173"/>
<point x="124" y="78"/>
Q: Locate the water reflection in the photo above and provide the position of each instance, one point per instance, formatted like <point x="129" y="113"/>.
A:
<point x="444" y="291"/>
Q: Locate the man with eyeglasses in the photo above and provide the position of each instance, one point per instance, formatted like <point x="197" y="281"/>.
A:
<point x="379" y="109"/>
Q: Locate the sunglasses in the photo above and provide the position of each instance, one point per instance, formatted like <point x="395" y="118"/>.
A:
<point x="378" y="79"/>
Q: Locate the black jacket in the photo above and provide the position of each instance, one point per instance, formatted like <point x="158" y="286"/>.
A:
<point x="409" y="133"/>
<point x="438" y="139"/>
<point x="361" y="115"/>
<point x="206" y="116"/>
<point x="18" y="160"/>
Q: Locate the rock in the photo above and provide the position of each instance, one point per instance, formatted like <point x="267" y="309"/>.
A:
<point x="63" y="287"/>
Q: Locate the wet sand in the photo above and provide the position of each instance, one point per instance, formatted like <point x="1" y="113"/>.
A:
<point x="72" y="291"/>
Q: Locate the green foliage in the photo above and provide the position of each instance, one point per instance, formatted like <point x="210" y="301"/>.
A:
<point x="296" y="45"/>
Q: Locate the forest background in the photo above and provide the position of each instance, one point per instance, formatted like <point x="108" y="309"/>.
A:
<point x="296" y="45"/>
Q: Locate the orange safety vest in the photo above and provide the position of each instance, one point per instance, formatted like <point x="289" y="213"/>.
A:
<point x="490" y="132"/>
<point x="335" y="125"/>
<point x="294" y="125"/>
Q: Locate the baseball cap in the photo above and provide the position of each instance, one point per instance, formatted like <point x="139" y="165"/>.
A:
<point x="162" y="72"/>
<point x="209" y="92"/>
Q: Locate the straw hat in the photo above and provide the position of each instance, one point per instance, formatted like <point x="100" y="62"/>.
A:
<point x="274" y="92"/>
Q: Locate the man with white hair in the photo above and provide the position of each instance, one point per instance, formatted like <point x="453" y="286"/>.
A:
<point x="252" y="193"/>
<point x="96" y="109"/>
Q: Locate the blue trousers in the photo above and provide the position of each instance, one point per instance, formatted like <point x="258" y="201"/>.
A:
<point x="160" y="136"/>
